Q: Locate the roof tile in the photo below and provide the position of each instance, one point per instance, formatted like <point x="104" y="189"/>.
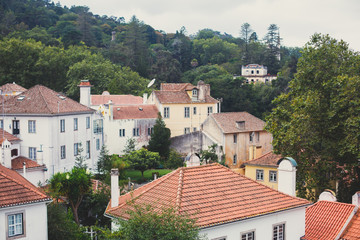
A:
<point x="116" y="99"/>
<point x="227" y="121"/>
<point x="18" y="163"/>
<point x="269" y="159"/>
<point x="353" y="229"/>
<point x="135" y="112"/>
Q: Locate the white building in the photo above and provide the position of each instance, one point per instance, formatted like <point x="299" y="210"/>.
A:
<point x="256" y="73"/>
<point x="53" y="128"/>
<point x="23" y="211"/>
<point x="124" y="117"/>
<point x="225" y="204"/>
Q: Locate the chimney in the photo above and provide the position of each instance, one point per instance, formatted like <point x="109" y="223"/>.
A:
<point x="145" y="97"/>
<point x="327" y="195"/>
<point x="85" y="92"/>
<point x="356" y="199"/>
<point x="40" y="156"/>
<point x="115" y="193"/>
<point x="111" y="110"/>
<point x="6" y="153"/>
<point x="287" y="175"/>
<point x="204" y="90"/>
<point x="113" y="35"/>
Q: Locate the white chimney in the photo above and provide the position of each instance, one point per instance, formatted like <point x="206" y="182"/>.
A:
<point x="287" y="176"/>
<point x="327" y="195"/>
<point x="145" y="97"/>
<point x="356" y="199"/>
<point x="113" y="36"/>
<point x="40" y="156"/>
<point x="6" y="153"/>
<point x="115" y="193"/>
<point x="111" y="110"/>
<point x="24" y="169"/>
<point x="85" y="92"/>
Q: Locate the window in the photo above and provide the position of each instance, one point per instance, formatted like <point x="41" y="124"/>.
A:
<point x="122" y="132"/>
<point x="210" y="110"/>
<point x="75" y="124"/>
<point x="87" y="122"/>
<point x="279" y="232"/>
<point x="150" y="131"/>
<point x="186" y="112"/>
<point x="32" y="153"/>
<point x="2" y="124"/>
<point x="186" y="130"/>
<point x="220" y="238"/>
<point x="257" y="135"/>
<point x="252" y="71"/>
<point x="87" y="149"/>
<point x="234" y="159"/>
<point x="235" y="138"/>
<point x="62" y="152"/>
<point x="248" y="236"/>
<point x="272" y="176"/>
<point x="251" y="136"/>
<point x="14" y="152"/>
<point x="194" y="129"/>
<point x="62" y="125"/>
<point x="98" y="144"/>
<point x="136" y="132"/>
<point x="194" y="93"/>
<point x="257" y="71"/>
<point x="98" y="126"/>
<point x="166" y="112"/>
<point x="15" y="224"/>
<point x="16" y="127"/>
<point x="259" y="175"/>
<point x="32" y="126"/>
<point x="76" y="149"/>
<point x="194" y="110"/>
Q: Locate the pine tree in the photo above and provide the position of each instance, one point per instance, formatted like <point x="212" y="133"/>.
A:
<point x="160" y="139"/>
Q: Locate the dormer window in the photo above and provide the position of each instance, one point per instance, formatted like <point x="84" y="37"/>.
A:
<point x="240" y="124"/>
<point x="194" y="92"/>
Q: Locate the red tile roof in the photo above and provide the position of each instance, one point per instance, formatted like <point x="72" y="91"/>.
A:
<point x="269" y="159"/>
<point x="16" y="190"/>
<point x="116" y="99"/>
<point x="353" y="229"/>
<point x="176" y="86"/>
<point x="8" y="136"/>
<point x="135" y="112"/>
<point x="12" y="87"/>
<point x="324" y="220"/>
<point x="18" y="163"/>
<point x="227" y="121"/>
<point x="213" y="194"/>
<point x="180" y="97"/>
<point x="42" y="100"/>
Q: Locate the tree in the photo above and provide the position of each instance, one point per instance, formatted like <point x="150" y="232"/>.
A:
<point x="104" y="163"/>
<point x="160" y="139"/>
<point x="245" y="34"/>
<point x="72" y="185"/>
<point x="130" y="146"/>
<point x="174" y="161"/>
<point x="209" y="156"/>
<point x="147" y="224"/>
<point x="272" y="54"/>
<point x="142" y="160"/>
<point x="317" y="121"/>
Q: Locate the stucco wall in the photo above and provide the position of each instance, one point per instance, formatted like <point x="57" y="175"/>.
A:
<point x="35" y="220"/>
<point x="250" y="171"/>
<point x="263" y="226"/>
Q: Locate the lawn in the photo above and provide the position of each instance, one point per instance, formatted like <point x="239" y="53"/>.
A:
<point x="136" y="175"/>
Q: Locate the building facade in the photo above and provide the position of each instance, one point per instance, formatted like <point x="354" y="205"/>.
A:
<point x="255" y="73"/>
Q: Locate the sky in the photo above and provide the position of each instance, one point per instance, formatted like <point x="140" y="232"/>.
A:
<point x="298" y="20"/>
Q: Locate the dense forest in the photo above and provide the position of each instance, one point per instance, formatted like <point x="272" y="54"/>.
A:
<point x="45" y="43"/>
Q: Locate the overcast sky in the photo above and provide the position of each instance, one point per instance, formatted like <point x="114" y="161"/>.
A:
<point x="297" y="19"/>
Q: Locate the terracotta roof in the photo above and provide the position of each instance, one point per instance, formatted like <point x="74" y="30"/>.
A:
<point x="176" y="86"/>
<point x="16" y="190"/>
<point x="42" y="100"/>
<point x="18" y="163"/>
<point x="116" y="99"/>
<point x="353" y="229"/>
<point x="8" y="136"/>
<point x="324" y="220"/>
<point x="212" y="194"/>
<point x="268" y="159"/>
<point x="227" y="121"/>
<point x="12" y="87"/>
<point x="135" y="112"/>
<point x="179" y="97"/>
<point x="97" y="185"/>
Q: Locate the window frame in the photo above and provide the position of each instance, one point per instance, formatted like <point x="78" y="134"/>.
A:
<point x="62" y="152"/>
<point x="166" y="112"/>
<point x="235" y="159"/>
<point x="257" y="175"/>
<point x="186" y="112"/>
<point x="150" y="131"/>
<point x="252" y="231"/>
<point x="76" y="124"/>
<point x="23" y="224"/>
<point x="195" y="92"/>
<point x="62" y="125"/>
<point x="186" y="130"/>
<point x="1" y="123"/>
<point x="87" y="122"/>
<point x="235" y="137"/>
<point x="209" y="110"/>
<point x="136" y="132"/>
<point x="194" y="110"/>
<point x="76" y="149"/>
<point x="98" y="144"/>
<point x="88" y="152"/>
<point x="277" y="237"/>
<point x="31" y="126"/>
<point x="32" y="153"/>
<point x="272" y="173"/>
<point x="122" y="132"/>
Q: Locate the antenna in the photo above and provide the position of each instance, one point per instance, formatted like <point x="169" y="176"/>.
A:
<point x="151" y="83"/>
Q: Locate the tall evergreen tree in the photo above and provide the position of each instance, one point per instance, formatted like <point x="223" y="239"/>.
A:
<point x="160" y="139"/>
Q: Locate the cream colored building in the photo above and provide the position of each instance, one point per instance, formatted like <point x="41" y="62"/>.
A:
<point x="239" y="135"/>
<point x="256" y="73"/>
<point x="183" y="106"/>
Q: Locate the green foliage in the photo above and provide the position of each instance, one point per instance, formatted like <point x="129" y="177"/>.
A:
<point x="174" y="161"/>
<point x="72" y="185"/>
<point x="104" y="163"/>
<point x="160" y="139"/>
<point x="60" y="225"/>
<point x="130" y="146"/>
<point x="209" y="156"/>
<point x="316" y="122"/>
<point x="136" y="176"/>
<point x="142" y="160"/>
<point x="147" y="224"/>
<point x="121" y="164"/>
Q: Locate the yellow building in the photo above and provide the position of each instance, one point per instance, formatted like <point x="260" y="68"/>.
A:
<point x="183" y="106"/>
<point x="264" y="169"/>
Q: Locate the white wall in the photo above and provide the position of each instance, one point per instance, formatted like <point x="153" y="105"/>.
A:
<point x="33" y="175"/>
<point x="35" y="220"/>
<point x="263" y="226"/>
